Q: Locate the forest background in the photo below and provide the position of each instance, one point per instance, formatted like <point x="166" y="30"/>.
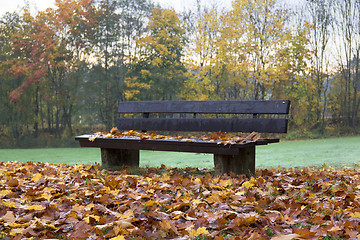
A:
<point x="64" y="70"/>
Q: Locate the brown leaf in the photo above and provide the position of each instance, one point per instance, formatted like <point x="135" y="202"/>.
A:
<point x="13" y="182"/>
<point x="8" y="218"/>
<point x="81" y="231"/>
<point x="287" y="237"/>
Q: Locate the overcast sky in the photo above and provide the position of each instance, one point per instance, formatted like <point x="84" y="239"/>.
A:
<point x="12" y="5"/>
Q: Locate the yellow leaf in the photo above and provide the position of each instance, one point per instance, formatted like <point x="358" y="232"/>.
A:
<point x="217" y="187"/>
<point x="19" y="225"/>
<point x="198" y="180"/>
<point x="9" y="204"/>
<point x="165" y="225"/>
<point x="73" y="214"/>
<point x="149" y="203"/>
<point x="226" y="183"/>
<point x="251" y="219"/>
<point x="198" y="232"/>
<point x="88" y="207"/>
<point x="46" y="196"/>
<point x="87" y="219"/>
<point x="113" y="130"/>
<point x="15" y="231"/>
<point x="213" y="199"/>
<point x="240" y="193"/>
<point x="311" y="195"/>
<point x="4" y="192"/>
<point x="120" y="237"/>
<point x="197" y="202"/>
<point x="249" y="184"/>
<point x="36" y="177"/>
<point x="355" y="215"/>
<point x="35" y="207"/>
<point x="51" y="226"/>
<point x="118" y="230"/>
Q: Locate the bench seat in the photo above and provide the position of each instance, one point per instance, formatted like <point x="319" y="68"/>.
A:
<point x="193" y="145"/>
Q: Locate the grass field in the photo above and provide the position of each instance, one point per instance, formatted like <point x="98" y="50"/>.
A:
<point x="335" y="152"/>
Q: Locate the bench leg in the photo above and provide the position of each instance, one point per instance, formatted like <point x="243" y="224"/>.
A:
<point x="117" y="159"/>
<point x="244" y="163"/>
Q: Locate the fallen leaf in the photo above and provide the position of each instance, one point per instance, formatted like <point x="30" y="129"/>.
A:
<point x="120" y="237"/>
<point x="200" y="231"/>
<point x="8" y="218"/>
<point x="286" y="237"/>
<point x="13" y="182"/>
<point x="5" y="192"/>
<point x="9" y="204"/>
<point x="35" y="208"/>
<point x="355" y="215"/>
<point x="36" y="177"/>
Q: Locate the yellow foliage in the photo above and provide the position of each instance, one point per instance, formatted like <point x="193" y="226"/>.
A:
<point x="249" y="184"/>
<point x="355" y="215"/>
<point x="36" y="177"/>
<point x="35" y="208"/>
<point x="120" y="237"/>
<point x="200" y="231"/>
<point x="9" y="204"/>
<point x="150" y="203"/>
<point x="4" y="192"/>
<point x="91" y="218"/>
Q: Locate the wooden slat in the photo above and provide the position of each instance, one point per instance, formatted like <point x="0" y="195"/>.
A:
<point x="204" y="125"/>
<point x="163" y="145"/>
<point x="217" y="107"/>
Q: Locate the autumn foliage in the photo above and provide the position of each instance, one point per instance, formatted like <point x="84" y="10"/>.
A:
<point x="42" y="200"/>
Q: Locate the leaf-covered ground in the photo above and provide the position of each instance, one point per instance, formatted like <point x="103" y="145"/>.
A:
<point x="45" y="201"/>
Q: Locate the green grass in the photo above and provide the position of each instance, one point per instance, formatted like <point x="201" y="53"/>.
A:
<point x="336" y="152"/>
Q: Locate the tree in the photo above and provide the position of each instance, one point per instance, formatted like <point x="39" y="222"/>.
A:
<point x="12" y="115"/>
<point x="321" y="20"/>
<point x="203" y="28"/>
<point x="347" y="26"/>
<point x="46" y="48"/>
<point x="160" y="66"/>
<point x="120" y="22"/>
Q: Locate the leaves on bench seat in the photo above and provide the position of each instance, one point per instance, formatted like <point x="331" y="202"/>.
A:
<point x="218" y="137"/>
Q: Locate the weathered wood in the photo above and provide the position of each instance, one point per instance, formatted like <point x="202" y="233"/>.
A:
<point x="204" y="124"/>
<point x="226" y="107"/>
<point x="244" y="163"/>
<point x="169" y="145"/>
<point x="117" y="159"/>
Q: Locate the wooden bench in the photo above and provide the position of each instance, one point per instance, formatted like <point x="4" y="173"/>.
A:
<point x="193" y="116"/>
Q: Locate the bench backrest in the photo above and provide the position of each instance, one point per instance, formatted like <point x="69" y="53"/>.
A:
<point x="268" y="116"/>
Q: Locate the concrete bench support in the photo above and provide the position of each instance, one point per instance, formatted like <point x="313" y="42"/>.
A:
<point x="244" y="163"/>
<point x="117" y="159"/>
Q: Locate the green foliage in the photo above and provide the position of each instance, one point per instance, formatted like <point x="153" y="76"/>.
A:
<point x="270" y="232"/>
